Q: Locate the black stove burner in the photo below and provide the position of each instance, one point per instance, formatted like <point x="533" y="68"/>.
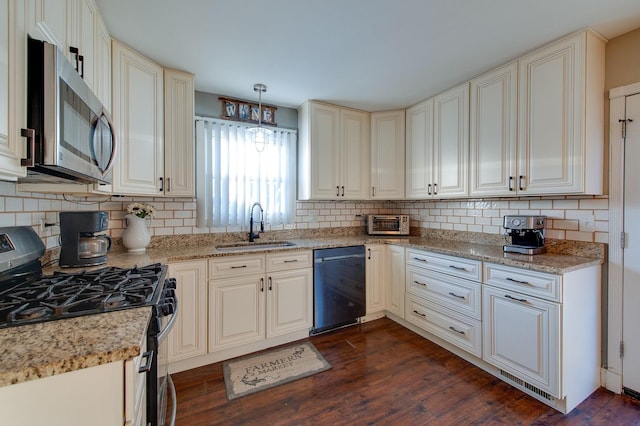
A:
<point x="38" y="297"/>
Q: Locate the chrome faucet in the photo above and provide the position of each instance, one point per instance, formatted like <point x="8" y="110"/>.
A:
<point x="253" y="235"/>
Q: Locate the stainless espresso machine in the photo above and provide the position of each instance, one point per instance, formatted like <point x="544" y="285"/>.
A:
<point x="79" y="243"/>
<point x="527" y="234"/>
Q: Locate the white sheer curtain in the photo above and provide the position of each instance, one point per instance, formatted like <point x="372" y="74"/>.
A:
<point x="232" y="174"/>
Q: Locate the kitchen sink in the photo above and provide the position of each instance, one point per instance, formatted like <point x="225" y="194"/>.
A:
<point x="256" y="245"/>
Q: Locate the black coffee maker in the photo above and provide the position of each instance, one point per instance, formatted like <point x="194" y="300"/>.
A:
<point x="527" y="234"/>
<point x="79" y="244"/>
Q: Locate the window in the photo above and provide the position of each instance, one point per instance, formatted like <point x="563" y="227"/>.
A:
<point x="232" y="174"/>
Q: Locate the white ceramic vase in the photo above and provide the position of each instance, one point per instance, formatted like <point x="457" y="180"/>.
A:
<point x="137" y="235"/>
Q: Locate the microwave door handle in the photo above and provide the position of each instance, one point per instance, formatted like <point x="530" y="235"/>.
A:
<point x="167" y="327"/>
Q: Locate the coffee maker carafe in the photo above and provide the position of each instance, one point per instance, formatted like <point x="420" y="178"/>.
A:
<point x="79" y="244"/>
<point x="527" y="234"/>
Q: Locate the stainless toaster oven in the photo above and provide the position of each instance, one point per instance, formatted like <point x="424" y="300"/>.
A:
<point x="385" y="224"/>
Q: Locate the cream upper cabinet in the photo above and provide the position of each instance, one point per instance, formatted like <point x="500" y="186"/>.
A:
<point x="560" y="121"/>
<point x="102" y="86"/>
<point x="82" y="36"/>
<point x="438" y="145"/>
<point x="188" y="337"/>
<point x="387" y="154"/>
<point x="451" y="142"/>
<point x="13" y="41"/>
<point x="333" y="152"/>
<point x="493" y="132"/>
<point x="419" y="150"/>
<point x="138" y="120"/>
<point x="179" y="142"/>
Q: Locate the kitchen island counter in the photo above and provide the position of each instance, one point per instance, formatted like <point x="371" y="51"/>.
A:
<point x="45" y="349"/>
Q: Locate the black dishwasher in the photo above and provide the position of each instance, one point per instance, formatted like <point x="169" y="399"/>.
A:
<point x="338" y="287"/>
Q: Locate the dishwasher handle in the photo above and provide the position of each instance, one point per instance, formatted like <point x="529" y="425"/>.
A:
<point x="334" y="258"/>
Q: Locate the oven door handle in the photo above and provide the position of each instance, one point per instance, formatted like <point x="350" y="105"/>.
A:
<point x="174" y="401"/>
<point x="167" y="327"/>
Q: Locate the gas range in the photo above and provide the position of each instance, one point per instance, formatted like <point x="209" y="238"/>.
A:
<point x="28" y="296"/>
<point x="36" y="297"/>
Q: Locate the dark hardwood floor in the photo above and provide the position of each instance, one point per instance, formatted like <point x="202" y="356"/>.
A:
<point x="383" y="373"/>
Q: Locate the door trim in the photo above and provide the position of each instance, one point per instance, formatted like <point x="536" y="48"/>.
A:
<point x="613" y="366"/>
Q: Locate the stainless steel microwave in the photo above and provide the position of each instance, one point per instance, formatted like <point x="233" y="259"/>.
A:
<point x="70" y="136"/>
<point x="380" y="224"/>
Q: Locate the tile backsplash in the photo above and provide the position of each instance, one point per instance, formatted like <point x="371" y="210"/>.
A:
<point x="569" y="217"/>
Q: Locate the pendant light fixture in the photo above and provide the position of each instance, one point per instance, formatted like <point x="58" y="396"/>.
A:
<point x="260" y="134"/>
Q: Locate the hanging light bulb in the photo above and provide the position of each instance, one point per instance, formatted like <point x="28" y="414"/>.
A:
<point x="260" y="134"/>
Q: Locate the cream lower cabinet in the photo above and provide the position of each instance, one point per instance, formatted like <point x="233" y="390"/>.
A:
<point x="188" y="337"/>
<point x="257" y="297"/>
<point x="111" y="394"/>
<point x="376" y="274"/>
<point x="395" y="287"/>
<point x="443" y="297"/>
<point x="543" y="331"/>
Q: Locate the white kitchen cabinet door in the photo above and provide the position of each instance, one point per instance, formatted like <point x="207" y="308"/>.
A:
<point x="50" y="20"/>
<point x="333" y="153"/>
<point x="138" y="119"/>
<point x="560" y="141"/>
<point x="451" y="142"/>
<point x="522" y="336"/>
<point x="289" y="301"/>
<point x="13" y="111"/>
<point x="419" y="150"/>
<point x="82" y="35"/>
<point x="375" y="271"/>
<point x="387" y="154"/>
<point x="236" y="311"/>
<point x="188" y="338"/>
<point x="102" y="87"/>
<point x="395" y="287"/>
<point x="493" y="132"/>
<point x="179" y="140"/>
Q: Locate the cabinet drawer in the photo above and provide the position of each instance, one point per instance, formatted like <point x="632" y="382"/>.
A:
<point x="235" y="266"/>
<point x="451" y="265"/>
<point x="289" y="260"/>
<point x="460" y="295"/>
<point x="539" y="284"/>
<point x="457" y="329"/>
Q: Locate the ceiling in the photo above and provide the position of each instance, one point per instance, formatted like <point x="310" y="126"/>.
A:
<point x="368" y="54"/>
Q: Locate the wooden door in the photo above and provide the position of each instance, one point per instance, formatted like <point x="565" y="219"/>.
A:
<point x="375" y="278"/>
<point x="395" y="286"/>
<point x="325" y="151"/>
<point x="354" y="155"/>
<point x="631" y="253"/>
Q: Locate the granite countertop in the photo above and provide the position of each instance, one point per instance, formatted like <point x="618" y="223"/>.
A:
<point x="552" y="262"/>
<point x="34" y="351"/>
<point x="39" y="350"/>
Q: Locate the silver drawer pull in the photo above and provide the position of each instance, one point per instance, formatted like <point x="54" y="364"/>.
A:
<point x="518" y="281"/>
<point x="291" y="261"/>
<point x="418" y="313"/>
<point x="452" y="328"/>
<point x="419" y="259"/>
<point x="515" y="298"/>
<point x="419" y="283"/>
<point x="455" y="295"/>
<point x="459" y="268"/>
<point x="239" y="267"/>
